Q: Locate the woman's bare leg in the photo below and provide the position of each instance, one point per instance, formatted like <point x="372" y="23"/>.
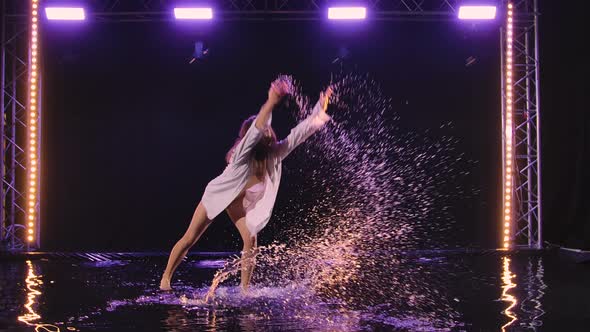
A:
<point x="198" y="225"/>
<point x="248" y="261"/>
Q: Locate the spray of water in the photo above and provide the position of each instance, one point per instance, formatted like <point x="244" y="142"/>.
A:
<point x="366" y="193"/>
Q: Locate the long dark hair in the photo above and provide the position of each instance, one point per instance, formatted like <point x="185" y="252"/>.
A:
<point x="260" y="152"/>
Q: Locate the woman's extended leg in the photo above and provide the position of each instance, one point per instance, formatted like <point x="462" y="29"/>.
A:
<point x="198" y="225"/>
<point x="248" y="254"/>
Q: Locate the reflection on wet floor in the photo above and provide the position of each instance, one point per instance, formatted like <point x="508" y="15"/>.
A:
<point x="507" y="297"/>
<point x="535" y="287"/>
<point x="34" y="283"/>
<point x="487" y="292"/>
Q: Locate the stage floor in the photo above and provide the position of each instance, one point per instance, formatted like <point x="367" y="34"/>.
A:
<point x="477" y="291"/>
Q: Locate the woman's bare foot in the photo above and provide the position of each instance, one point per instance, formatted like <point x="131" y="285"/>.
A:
<point x="165" y="284"/>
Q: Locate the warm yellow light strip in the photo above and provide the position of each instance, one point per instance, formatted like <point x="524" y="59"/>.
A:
<point x="33" y="125"/>
<point x="508" y="130"/>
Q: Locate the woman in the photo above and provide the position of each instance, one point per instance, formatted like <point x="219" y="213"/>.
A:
<point x="248" y="186"/>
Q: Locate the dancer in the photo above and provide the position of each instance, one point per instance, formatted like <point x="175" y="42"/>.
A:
<point x="248" y="186"/>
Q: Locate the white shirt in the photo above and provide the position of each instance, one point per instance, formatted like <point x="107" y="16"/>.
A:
<point x="222" y="190"/>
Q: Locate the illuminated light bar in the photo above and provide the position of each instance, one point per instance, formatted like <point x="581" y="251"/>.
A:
<point x="65" y="13"/>
<point x="508" y="130"/>
<point x="477" y="12"/>
<point x="33" y="119"/>
<point x="193" y="13"/>
<point x="347" y="13"/>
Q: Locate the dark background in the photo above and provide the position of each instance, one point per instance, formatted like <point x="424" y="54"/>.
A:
<point x="132" y="133"/>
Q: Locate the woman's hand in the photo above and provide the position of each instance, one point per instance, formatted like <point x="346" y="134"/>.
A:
<point x="278" y="89"/>
<point x="325" y="98"/>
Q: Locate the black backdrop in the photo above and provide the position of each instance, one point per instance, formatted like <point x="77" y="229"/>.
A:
<point x="565" y="126"/>
<point x="132" y="132"/>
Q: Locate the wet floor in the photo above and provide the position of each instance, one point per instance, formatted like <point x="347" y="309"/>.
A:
<point x="472" y="292"/>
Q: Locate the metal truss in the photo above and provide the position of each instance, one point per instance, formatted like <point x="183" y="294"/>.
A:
<point x="15" y="71"/>
<point x="527" y="129"/>
<point x="13" y="100"/>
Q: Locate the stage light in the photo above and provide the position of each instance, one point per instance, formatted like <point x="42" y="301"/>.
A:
<point x="65" y="13"/>
<point x="508" y="128"/>
<point x="193" y="13"/>
<point x="52" y="13"/>
<point x="477" y="12"/>
<point x="347" y="13"/>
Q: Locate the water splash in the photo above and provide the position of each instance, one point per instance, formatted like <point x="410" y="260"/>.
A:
<point x="234" y="265"/>
<point x="373" y="192"/>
